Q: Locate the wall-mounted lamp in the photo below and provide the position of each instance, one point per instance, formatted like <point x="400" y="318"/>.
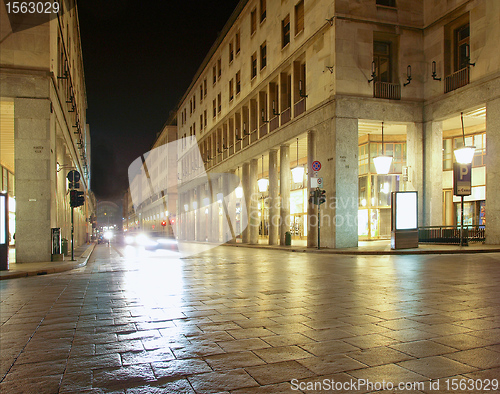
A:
<point x="274" y="109"/>
<point x="467" y="55"/>
<point x="238" y="138"/>
<point x="264" y="119"/>
<point x="301" y="92"/>
<point x="245" y="129"/>
<point x="434" y="72"/>
<point x="330" y="68"/>
<point x="373" y="74"/>
<point x="408" y="75"/>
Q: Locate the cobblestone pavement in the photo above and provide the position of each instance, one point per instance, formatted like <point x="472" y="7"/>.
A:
<point x="239" y="320"/>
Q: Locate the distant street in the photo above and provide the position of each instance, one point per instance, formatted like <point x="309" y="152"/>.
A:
<point x="234" y="319"/>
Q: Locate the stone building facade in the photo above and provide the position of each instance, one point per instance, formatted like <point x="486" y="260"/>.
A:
<point x="44" y="133"/>
<point x="293" y="82"/>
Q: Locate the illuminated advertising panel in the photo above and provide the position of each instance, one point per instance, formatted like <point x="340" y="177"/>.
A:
<point x="406" y="211"/>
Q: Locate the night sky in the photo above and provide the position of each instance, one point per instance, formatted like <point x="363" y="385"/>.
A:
<point x="139" y="59"/>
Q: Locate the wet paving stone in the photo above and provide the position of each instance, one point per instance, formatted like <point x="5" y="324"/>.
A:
<point x="238" y="320"/>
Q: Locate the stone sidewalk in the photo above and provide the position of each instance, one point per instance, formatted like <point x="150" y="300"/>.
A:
<point x="242" y="320"/>
<point x="19" y="270"/>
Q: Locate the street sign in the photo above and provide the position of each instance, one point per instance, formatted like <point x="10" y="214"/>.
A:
<point x="314" y="182"/>
<point x="320" y="182"/>
<point x="316" y="165"/>
<point x="73" y="176"/>
<point x="462" y="179"/>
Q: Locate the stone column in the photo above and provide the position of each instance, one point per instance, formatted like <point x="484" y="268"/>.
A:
<point x="229" y="208"/>
<point x="33" y="179"/>
<point x="191" y="216"/>
<point x="312" y="210"/>
<point x="200" y="214"/>
<point x="214" y="211"/>
<point x="414" y="161"/>
<point x="433" y="174"/>
<point x="337" y="150"/>
<point x="492" y="172"/>
<point x="245" y="174"/>
<point x="273" y="198"/>
<point x="253" y="212"/>
<point x="284" y="191"/>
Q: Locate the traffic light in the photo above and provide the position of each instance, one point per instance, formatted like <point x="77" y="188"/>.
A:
<point x="76" y="198"/>
<point x="322" y="196"/>
<point x="164" y="223"/>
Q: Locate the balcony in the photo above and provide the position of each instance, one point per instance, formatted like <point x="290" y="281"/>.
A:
<point x="274" y="123"/>
<point x="387" y="90"/>
<point x="299" y="107"/>
<point x="457" y="80"/>
<point x="286" y="115"/>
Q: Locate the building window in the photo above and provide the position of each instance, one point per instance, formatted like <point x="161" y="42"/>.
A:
<point x="205" y="118"/>
<point x="194" y="102"/>
<point x="214" y="70"/>
<point x="231" y="94"/>
<point x="285" y="31"/>
<point x="263" y="55"/>
<point x="262" y="10"/>
<point x="215" y="107"/>
<point x="382" y="59"/>
<point x="191" y="107"/>
<point x="201" y="122"/>
<point x="253" y="65"/>
<point x="462" y="47"/>
<point x="253" y="21"/>
<point x="299" y="17"/>
<point x="205" y="87"/>
<point x="231" y="53"/>
<point x="238" y="83"/>
<point x="219" y="103"/>
<point x="387" y="3"/>
<point x="219" y="68"/>
<point x="237" y="42"/>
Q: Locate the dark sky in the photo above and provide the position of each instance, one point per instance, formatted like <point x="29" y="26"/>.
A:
<point x="139" y="59"/>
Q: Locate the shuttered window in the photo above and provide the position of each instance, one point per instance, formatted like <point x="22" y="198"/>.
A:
<point x="285" y="31"/>
<point x="299" y="17"/>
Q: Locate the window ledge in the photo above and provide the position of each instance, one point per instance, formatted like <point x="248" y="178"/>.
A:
<point x="287" y="45"/>
<point x="299" y="33"/>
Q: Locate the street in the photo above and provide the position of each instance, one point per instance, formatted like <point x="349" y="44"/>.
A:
<point x="249" y="320"/>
